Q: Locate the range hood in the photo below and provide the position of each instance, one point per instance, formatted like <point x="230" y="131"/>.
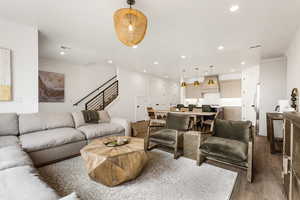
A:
<point x="211" y="84"/>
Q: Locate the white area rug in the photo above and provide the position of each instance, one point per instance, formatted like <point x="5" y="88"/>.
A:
<point x="163" y="179"/>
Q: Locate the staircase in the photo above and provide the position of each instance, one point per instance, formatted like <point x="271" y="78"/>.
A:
<point x="102" y="96"/>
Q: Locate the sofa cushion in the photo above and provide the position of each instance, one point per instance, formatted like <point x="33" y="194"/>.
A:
<point x="104" y="116"/>
<point x="78" y="118"/>
<point x="58" y="120"/>
<point x="178" y="121"/>
<point x="13" y="156"/>
<point x="164" y="136"/>
<point x="235" y="130"/>
<point x="8" y="141"/>
<point x="31" y="122"/>
<point x="50" y="138"/>
<point x="9" y="124"/>
<point x="227" y="149"/>
<point x="23" y="183"/>
<point x="102" y="129"/>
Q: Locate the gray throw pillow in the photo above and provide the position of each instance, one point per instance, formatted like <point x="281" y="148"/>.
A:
<point x="104" y="116"/>
<point x="78" y="119"/>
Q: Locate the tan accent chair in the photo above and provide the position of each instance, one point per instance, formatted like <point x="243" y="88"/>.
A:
<point x="169" y="135"/>
<point x="229" y="142"/>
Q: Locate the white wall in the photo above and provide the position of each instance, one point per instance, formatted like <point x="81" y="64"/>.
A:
<point x="293" y="64"/>
<point x="23" y="42"/>
<point x="250" y="80"/>
<point x="272" y="88"/>
<point x="79" y="81"/>
<point x="140" y="89"/>
<point x="134" y="87"/>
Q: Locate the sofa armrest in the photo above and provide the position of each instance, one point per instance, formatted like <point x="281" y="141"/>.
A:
<point x="123" y="122"/>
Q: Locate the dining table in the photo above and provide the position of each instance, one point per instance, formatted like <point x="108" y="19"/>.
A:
<point x="191" y="114"/>
<point x="165" y="112"/>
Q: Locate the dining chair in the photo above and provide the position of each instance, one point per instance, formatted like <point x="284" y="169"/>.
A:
<point x="207" y="108"/>
<point x="151" y="113"/>
<point x="207" y="123"/>
<point x="191" y="107"/>
<point x="198" y="120"/>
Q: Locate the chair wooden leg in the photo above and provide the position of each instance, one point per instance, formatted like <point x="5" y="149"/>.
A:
<point x="249" y="174"/>
<point x="250" y="162"/>
<point x="146" y="140"/>
<point x="200" y="158"/>
<point x="176" y="153"/>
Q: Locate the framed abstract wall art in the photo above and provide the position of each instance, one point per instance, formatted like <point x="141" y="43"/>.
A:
<point x="51" y="87"/>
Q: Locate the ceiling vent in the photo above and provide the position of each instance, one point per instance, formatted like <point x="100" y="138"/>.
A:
<point x="255" y="46"/>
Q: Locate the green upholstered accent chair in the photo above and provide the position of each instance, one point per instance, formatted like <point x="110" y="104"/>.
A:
<point x="229" y="142"/>
<point x="169" y="135"/>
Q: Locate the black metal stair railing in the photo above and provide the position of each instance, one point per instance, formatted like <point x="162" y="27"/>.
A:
<point x="103" y="98"/>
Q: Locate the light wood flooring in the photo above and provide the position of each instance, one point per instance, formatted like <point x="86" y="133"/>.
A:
<point x="267" y="184"/>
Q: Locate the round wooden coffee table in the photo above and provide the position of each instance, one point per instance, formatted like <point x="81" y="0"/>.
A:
<point x="112" y="166"/>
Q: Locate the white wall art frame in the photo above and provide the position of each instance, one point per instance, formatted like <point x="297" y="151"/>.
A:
<point x="5" y="75"/>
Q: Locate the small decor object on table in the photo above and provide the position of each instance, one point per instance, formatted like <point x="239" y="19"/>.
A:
<point x="113" y="166"/>
<point x="294" y="99"/>
<point x="120" y="141"/>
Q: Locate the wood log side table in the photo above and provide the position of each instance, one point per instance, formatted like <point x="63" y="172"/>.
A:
<point x="271" y="117"/>
<point x="112" y="166"/>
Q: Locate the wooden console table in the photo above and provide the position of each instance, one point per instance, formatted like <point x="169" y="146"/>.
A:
<point x="271" y="117"/>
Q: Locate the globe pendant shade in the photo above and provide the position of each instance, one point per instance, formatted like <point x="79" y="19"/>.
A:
<point x="130" y="26"/>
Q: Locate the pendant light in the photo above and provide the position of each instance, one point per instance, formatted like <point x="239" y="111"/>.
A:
<point x="130" y="25"/>
<point x="196" y="83"/>
<point x="183" y="83"/>
<point x="211" y="82"/>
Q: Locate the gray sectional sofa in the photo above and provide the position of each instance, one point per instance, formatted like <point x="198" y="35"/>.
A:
<point x="31" y="140"/>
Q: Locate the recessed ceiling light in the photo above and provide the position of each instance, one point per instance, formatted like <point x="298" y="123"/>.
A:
<point x="234" y="8"/>
<point x="144" y="71"/>
<point x="183" y="57"/>
<point x="221" y="48"/>
<point x="166" y="76"/>
<point x="109" y="61"/>
<point x="155" y="63"/>
<point x="135" y="46"/>
<point x="206" y="73"/>
<point x="243" y="63"/>
<point x="62" y="53"/>
<point x="232" y="70"/>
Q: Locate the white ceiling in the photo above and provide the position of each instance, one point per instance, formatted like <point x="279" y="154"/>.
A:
<point x="194" y="28"/>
